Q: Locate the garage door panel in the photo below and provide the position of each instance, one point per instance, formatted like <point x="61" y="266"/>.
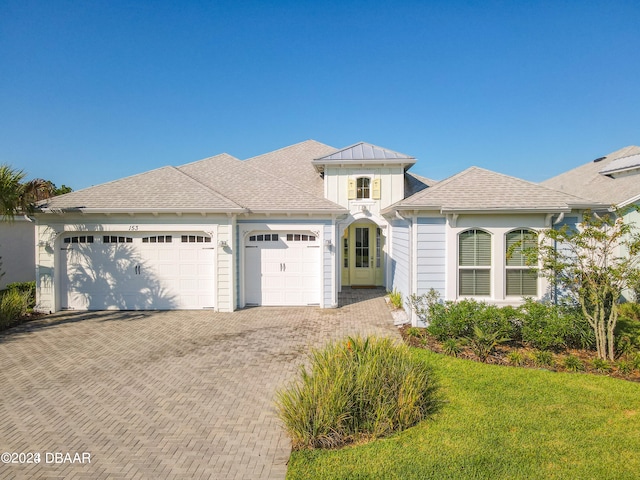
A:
<point x="283" y="271"/>
<point x="131" y="274"/>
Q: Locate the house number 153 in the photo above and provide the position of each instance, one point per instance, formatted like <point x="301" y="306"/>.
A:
<point x="133" y="228"/>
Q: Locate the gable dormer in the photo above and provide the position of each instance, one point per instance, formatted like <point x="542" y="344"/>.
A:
<point x="364" y="176"/>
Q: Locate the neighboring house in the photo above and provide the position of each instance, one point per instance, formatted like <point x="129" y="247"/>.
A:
<point x="291" y="227"/>
<point x="17" y="251"/>
<point x="613" y="180"/>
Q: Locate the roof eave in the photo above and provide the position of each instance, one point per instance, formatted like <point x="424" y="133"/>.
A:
<point x="305" y="211"/>
<point x="406" y="163"/>
<point x="116" y="211"/>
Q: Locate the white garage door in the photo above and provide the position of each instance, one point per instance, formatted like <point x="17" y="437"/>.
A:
<point x="282" y="268"/>
<point x="150" y="271"/>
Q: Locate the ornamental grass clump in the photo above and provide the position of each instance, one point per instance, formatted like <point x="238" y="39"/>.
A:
<point x="354" y="390"/>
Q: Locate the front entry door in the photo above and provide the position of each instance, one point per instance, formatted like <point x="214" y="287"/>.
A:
<point x="362" y="255"/>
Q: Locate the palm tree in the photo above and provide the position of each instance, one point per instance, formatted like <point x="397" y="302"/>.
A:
<point x="17" y="197"/>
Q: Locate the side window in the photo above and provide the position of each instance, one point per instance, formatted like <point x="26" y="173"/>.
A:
<point x="474" y="263"/>
<point x="521" y="279"/>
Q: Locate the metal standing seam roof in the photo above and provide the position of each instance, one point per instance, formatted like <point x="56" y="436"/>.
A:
<point x="479" y="190"/>
<point x="365" y="151"/>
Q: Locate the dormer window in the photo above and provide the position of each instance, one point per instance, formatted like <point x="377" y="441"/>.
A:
<point x="363" y="187"/>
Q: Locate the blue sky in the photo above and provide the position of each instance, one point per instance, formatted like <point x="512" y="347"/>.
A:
<point x="92" y="91"/>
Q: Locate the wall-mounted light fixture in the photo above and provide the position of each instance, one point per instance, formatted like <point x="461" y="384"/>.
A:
<point x="223" y="244"/>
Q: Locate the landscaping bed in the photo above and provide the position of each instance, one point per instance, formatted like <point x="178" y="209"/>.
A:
<point x="509" y="354"/>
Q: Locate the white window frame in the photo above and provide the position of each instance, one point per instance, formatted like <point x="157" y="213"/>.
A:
<point x="488" y="268"/>
<point x="521" y="268"/>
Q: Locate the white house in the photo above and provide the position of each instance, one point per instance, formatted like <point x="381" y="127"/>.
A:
<point x="291" y="227"/>
<point x="17" y="251"/>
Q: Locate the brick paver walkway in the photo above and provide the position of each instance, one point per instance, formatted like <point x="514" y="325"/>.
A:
<point x="183" y="394"/>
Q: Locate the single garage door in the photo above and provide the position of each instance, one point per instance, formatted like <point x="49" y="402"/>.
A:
<point x="282" y="268"/>
<point x="149" y="271"/>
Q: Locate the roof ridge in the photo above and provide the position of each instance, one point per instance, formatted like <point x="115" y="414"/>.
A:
<point x="109" y="182"/>
<point x="279" y="179"/>
<point x="285" y="147"/>
<point x="177" y="169"/>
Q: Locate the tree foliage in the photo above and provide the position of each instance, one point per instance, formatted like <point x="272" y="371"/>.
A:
<point x="20" y="197"/>
<point x="594" y="263"/>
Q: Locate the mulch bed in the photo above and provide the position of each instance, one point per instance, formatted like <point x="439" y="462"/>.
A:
<point x="500" y="356"/>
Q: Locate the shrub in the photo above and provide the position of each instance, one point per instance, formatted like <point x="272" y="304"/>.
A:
<point x="573" y="363"/>
<point x="484" y="342"/>
<point x="629" y="311"/>
<point x="515" y="358"/>
<point x="13" y="305"/>
<point x="395" y="298"/>
<point x="451" y="346"/>
<point x="600" y="365"/>
<point x="543" y="358"/>
<point x="627" y="336"/>
<point x="356" y="389"/>
<point x="625" y="367"/>
<point x="28" y="288"/>
<point x="458" y="319"/>
<point x="415" y="332"/>
<point x="552" y="327"/>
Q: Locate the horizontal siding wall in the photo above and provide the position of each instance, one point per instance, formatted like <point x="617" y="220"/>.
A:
<point x="399" y="257"/>
<point x="327" y="267"/>
<point x="431" y="255"/>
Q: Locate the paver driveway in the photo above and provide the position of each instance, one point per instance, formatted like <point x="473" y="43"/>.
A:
<point x="185" y="394"/>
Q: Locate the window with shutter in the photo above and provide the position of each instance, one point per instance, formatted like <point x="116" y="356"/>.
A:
<point x="351" y="189"/>
<point x="375" y="189"/>
<point x="474" y="263"/>
<point x="521" y="279"/>
<point x="363" y="187"/>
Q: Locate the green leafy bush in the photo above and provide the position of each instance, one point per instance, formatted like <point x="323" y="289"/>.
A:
<point x="627" y="336"/>
<point x="573" y="363"/>
<point x="515" y="358"/>
<point x="13" y="305"/>
<point x="600" y="365"/>
<point x="28" y="288"/>
<point x="484" y="342"/>
<point x="630" y="311"/>
<point x="625" y="367"/>
<point x="458" y="319"/>
<point x="395" y="298"/>
<point x="356" y="389"/>
<point x="553" y="327"/>
<point x="452" y="347"/>
<point x="415" y="332"/>
<point x="543" y="358"/>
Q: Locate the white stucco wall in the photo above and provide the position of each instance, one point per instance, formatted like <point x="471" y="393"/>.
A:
<point x="17" y="249"/>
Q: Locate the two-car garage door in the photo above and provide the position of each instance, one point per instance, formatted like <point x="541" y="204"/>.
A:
<point x="125" y="271"/>
<point x="282" y="269"/>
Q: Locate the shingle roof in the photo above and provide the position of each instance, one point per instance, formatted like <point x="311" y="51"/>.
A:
<point x="292" y="164"/>
<point x="255" y="189"/>
<point x="415" y="183"/>
<point x="479" y="190"/>
<point x="587" y="181"/>
<point x="162" y="189"/>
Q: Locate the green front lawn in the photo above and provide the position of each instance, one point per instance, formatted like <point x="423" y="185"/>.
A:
<point x="501" y="423"/>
